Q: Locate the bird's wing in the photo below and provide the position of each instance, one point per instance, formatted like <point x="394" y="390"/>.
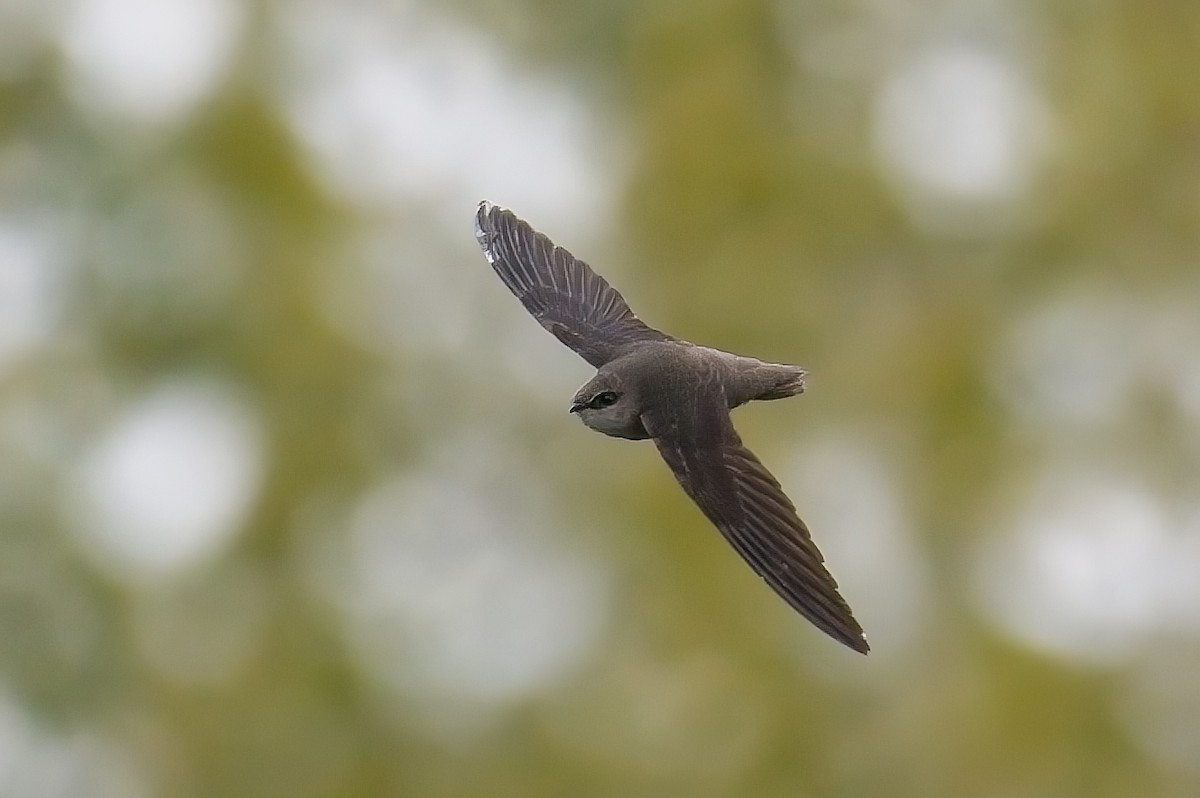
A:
<point x="748" y="506"/>
<point x="562" y="292"/>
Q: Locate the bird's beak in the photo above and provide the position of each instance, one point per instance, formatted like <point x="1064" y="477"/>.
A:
<point x="577" y="406"/>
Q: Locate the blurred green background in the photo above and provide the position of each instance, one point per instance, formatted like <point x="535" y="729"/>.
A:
<point x="290" y="503"/>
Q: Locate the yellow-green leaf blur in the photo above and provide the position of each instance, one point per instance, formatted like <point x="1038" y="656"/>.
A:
<point x="291" y="505"/>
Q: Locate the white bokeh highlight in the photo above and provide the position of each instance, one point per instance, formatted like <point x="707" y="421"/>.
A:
<point x="407" y="106"/>
<point x="452" y="598"/>
<point x="959" y="122"/>
<point x="149" y="62"/>
<point x="1081" y="361"/>
<point x="38" y="760"/>
<point x="398" y="290"/>
<point x="1095" y="564"/>
<point x="169" y="484"/>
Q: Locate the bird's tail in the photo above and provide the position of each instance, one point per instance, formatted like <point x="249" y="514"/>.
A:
<point x="780" y="381"/>
<point x="750" y="379"/>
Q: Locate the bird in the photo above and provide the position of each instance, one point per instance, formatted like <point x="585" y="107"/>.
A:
<point x="650" y="385"/>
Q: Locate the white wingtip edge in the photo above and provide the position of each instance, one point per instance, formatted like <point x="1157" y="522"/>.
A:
<point x="481" y="236"/>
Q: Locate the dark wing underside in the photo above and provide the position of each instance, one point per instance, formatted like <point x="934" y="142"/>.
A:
<point x="562" y="292"/>
<point x="748" y="506"/>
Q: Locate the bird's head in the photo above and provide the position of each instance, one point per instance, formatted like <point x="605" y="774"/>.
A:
<point x="606" y="405"/>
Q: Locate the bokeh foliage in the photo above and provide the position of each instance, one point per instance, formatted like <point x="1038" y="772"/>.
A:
<point x="748" y="203"/>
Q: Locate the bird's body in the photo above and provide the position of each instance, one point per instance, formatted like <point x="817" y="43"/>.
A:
<point x="651" y="385"/>
<point x="664" y="374"/>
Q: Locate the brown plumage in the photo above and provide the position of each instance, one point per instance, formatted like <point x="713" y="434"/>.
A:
<point x="651" y="385"/>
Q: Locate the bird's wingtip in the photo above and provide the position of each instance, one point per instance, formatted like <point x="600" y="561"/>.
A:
<point x="482" y="226"/>
<point x="482" y="211"/>
<point x="853" y="637"/>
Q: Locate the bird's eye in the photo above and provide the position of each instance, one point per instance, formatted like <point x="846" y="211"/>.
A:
<point x="604" y="399"/>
